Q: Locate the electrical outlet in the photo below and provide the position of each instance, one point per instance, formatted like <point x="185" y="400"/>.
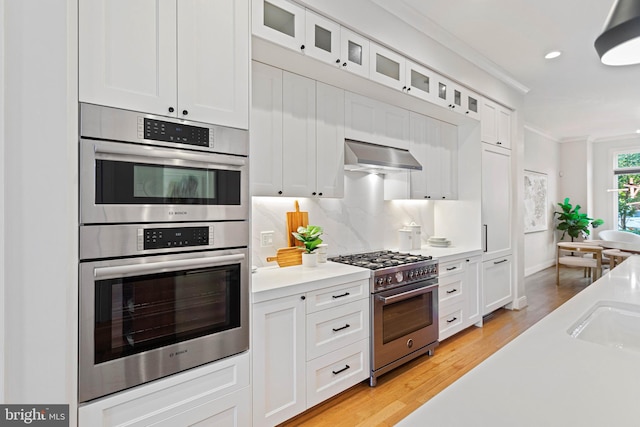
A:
<point x="266" y="239"/>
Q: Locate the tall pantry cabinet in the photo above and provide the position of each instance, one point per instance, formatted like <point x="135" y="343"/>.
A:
<point x="497" y="276"/>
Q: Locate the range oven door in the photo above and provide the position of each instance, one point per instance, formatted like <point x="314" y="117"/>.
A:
<point x="405" y="319"/>
<point x="144" y="318"/>
<point x="125" y="183"/>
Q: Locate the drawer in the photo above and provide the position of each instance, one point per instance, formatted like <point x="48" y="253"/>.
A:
<point x="450" y="321"/>
<point x="335" y="372"/>
<point x="337" y="295"/>
<point x="329" y="330"/>
<point x="450" y="289"/>
<point x="451" y="267"/>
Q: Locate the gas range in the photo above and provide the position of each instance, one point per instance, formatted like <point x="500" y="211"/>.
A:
<point x="392" y="269"/>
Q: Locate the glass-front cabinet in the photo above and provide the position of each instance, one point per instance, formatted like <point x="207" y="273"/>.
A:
<point x="280" y="21"/>
<point x="421" y="81"/>
<point x="387" y="67"/>
<point x="322" y="38"/>
<point x="354" y="52"/>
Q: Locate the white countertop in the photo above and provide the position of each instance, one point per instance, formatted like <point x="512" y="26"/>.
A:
<point x="546" y="378"/>
<point x="277" y="282"/>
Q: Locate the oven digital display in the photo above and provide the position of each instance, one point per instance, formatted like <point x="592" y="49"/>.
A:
<point x="160" y="238"/>
<point x="159" y="130"/>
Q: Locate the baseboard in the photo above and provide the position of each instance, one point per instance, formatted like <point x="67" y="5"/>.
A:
<point x="520" y="303"/>
<point x="531" y="270"/>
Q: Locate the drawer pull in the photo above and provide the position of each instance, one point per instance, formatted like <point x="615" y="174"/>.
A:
<point x="451" y="268"/>
<point x="452" y="291"/>
<point x="341" y="370"/>
<point x="500" y="262"/>
<point x="340" y="296"/>
<point x="339" y="329"/>
<point x="452" y="320"/>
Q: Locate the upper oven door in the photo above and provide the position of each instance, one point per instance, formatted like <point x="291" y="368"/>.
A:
<point x="124" y="182"/>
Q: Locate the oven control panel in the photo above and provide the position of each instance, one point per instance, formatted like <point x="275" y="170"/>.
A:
<point x="406" y="276"/>
<point x="160" y="130"/>
<point x="174" y="237"/>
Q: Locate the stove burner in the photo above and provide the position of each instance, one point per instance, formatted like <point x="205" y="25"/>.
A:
<point x="380" y="259"/>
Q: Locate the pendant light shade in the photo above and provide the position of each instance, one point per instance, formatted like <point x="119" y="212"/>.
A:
<point x="619" y="44"/>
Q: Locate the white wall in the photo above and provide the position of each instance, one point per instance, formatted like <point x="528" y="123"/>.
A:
<point x="40" y="201"/>
<point x="2" y="205"/>
<point x="542" y="154"/>
<point x="574" y="173"/>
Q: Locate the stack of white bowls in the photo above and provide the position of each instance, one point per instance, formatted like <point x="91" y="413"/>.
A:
<point x="439" y="242"/>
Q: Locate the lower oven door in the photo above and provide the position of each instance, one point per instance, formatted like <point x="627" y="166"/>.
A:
<point x="405" y="319"/>
<point x="145" y="318"/>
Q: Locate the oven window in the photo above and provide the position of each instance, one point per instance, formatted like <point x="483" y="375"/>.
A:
<point x="138" y="183"/>
<point x="407" y="316"/>
<point x="137" y="314"/>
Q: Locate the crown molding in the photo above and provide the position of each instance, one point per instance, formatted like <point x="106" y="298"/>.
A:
<point x="431" y="29"/>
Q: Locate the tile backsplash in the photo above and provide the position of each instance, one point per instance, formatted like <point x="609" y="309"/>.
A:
<point x="361" y="221"/>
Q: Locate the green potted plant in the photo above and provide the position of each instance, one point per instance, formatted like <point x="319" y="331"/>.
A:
<point x="574" y="223"/>
<point x="310" y="237"/>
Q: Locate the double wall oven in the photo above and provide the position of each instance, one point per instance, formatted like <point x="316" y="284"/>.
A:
<point x="164" y="236"/>
<point x="404" y="307"/>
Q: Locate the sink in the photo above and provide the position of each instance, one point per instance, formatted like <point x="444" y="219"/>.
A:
<point x="611" y="324"/>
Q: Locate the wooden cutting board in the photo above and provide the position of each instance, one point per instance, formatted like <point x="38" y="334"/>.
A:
<point x="294" y="220"/>
<point x="287" y="257"/>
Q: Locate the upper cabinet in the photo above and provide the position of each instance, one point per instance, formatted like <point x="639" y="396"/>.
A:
<point x="496" y="124"/>
<point x="280" y="21"/>
<point x="354" y="52"/>
<point x="175" y="65"/>
<point x="297" y="135"/>
<point x="387" y="67"/>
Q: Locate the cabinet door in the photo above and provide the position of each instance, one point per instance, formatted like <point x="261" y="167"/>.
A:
<point x="497" y="290"/>
<point x="354" y="52"/>
<point x="278" y="360"/>
<point x="496" y="201"/>
<point x="298" y="135"/>
<point x="280" y="21"/>
<point x="420" y="81"/>
<point x="471" y="107"/>
<point x="329" y="141"/>
<point x="489" y="122"/>
<point x="449" y="161"/>
<point x="392" y="125"/>
<point x="504" y="127"/>
<point x="360" y="117"/>
<point x="444" y="92"/>
<point x="423" y="136"/>
<point x="473" y="307"/>
<point x="136" y="73"/>
<point x="322" y="38"/>
<point x="213" y="61"/>
<point x="266" y="131"/>
<point x="387" y="67"/>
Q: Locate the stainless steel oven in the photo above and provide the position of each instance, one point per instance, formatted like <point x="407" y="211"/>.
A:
<point x="137" y="167"/>
<point x="182" y="304"/>
<point x="405" y="325"/>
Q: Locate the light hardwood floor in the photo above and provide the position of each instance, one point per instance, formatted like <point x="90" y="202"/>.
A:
<point x="403" y="390"/>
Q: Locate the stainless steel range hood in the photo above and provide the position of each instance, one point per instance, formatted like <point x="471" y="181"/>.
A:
<point x="367" y="157"/>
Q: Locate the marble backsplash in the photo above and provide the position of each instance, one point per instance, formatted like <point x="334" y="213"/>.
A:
<point x="361" y="221"/>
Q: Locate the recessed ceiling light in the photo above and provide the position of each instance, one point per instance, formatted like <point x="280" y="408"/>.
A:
<point x="553" y="54"/>
<point x="637" y="130"/>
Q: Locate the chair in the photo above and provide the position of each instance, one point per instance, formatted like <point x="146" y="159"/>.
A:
<point x="616" y="256"/>
<point x="579" y="254"/>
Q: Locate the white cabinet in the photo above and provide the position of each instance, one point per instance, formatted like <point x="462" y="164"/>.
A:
<point x="280" y="21"/>
<point x="322" y="38"/>
<point x="354" y="52"/>
<point x="459" y="295"/>
<point x="496" y="219"/>
<point x="173" y="64"/>
<point x="215" y="394"/>
<point x="308" y="347"/>
<point x="373" y="121"/>
<point x="495" y="124"/>
<point x="496" y="201"/>
<point x="387" y="67"/>
<point x="435" y="145"/>
<point x="279" y="369"/>
<point x="297" y="135"/>
<point x="497" y="286"/>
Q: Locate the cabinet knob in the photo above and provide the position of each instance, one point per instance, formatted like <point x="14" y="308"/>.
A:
<point x="344" y="64"/>
<point x="408" y="89"/>
<point x="313" y="194"/>
<point x="280" y="192"/>
<point x="319" y="194"/>
<point x="427" y="197"/>
<point x="338" y="61"/>
<point x="303" y="298"/>
<point x="499" y="143"/>
<point x="185" y="112"/>
<point x="171" y="109"/>
<point x="302" y="47"/>
<point x="444" y="197"/>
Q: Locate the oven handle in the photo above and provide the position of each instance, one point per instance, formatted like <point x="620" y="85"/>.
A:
<point x="406" y="295"/>
<point x="127" y="151"/>
<point x="103" y="273"/>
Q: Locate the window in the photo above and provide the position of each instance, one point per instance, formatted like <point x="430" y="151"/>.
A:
<point x="627" y="175"/>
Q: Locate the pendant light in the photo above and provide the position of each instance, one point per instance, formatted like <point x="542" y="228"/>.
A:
<point x="619" y="44"/>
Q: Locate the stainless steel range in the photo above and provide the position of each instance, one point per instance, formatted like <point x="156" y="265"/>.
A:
<point x="404" y="307"/>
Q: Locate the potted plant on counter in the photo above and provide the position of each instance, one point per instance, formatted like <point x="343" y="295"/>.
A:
<point x="574" y="223"/>
<point x="310" y="237"/>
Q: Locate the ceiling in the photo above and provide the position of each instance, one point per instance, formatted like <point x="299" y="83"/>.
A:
<point x="572" y="96"/>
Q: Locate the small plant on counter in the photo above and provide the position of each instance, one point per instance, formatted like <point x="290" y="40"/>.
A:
<point x="310" y="236"/>
<point x="574" y="223"/>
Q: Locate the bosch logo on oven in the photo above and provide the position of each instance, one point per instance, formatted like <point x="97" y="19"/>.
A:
<point x="177" y="353"/>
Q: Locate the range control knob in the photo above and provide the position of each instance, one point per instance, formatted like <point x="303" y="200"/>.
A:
<point x="399" y="276"/>
<point x="389" y="280"/>
<point x="380" y="280"/>
<point x="411" y="274"/>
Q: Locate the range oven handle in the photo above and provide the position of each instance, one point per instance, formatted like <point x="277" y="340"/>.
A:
<point x="113" y="272"/>
<point x="406" y="295"/>
<point x="126" y="151"/>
